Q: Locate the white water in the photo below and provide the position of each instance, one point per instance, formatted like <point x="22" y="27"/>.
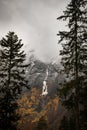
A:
<point x="45" y="90"/>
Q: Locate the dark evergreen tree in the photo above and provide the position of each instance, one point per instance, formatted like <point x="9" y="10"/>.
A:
<point x="72" y="125"/>
<point x="74" y="54"/>
<point x="67" y="123"/>
<point x="42" y="124"/>
<point x="12" y="79"/>
<point x="83" y="112"/>
<point x="64" y="124"/>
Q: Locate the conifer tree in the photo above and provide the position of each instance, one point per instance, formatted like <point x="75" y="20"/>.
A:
<point x="64" y="124"/>
<point x="74" y="54"/>
<point x="12" y="79"/>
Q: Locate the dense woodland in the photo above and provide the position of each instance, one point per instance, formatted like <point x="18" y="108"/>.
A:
<point x="22" y="107"/>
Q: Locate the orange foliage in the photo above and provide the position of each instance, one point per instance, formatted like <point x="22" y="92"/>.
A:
<point x="28" y="108"/>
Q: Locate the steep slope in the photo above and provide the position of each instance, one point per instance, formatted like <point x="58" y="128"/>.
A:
<point x="36" y="74"/>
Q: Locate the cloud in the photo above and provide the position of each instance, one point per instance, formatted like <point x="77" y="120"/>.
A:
<point x="4" y="12"/>
<point x="35" y="22"/>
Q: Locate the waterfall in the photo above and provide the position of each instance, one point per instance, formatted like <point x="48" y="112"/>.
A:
<point x="45" y="90"/>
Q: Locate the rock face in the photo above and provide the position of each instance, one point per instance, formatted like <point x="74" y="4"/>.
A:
<point x="36" y="74"/>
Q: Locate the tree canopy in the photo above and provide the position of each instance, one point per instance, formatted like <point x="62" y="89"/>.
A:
<point x="12" y="79"/>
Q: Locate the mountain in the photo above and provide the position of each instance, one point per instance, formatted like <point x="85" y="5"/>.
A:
<point x="36" y="74"/>
<point x="33" y="106"/>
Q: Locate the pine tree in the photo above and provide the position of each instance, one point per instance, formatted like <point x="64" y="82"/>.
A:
<point x="12" y="79"/>
<point x="74" y="53"/>
<point x="64" y="124"/>
<point x="67" y="123"/>
<point x="83" y="101"/>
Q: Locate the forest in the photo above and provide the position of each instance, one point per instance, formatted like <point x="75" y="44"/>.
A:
<point x="38" y="95"/>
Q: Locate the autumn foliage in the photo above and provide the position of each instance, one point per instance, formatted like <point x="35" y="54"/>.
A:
<point x="33" y="106"/>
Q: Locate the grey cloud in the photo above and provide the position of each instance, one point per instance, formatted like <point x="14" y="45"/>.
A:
<point x="35" y="21"/>
<point x="4" y="12"/>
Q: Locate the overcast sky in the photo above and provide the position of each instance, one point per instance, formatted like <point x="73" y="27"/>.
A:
<point x="34" y="21"/>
